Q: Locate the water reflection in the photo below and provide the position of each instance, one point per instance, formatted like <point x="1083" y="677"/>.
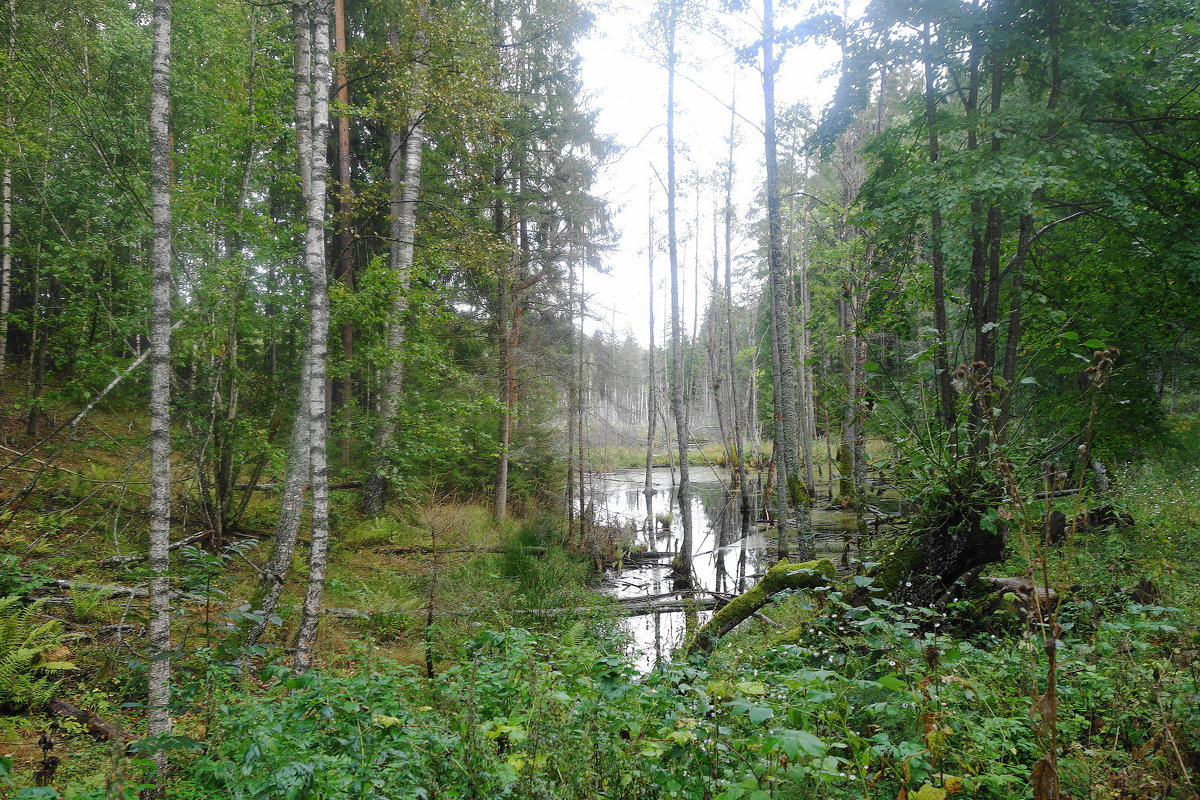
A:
<point x="730" y="549"/>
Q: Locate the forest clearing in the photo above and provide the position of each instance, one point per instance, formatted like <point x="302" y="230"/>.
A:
<point x="553" y="399"/>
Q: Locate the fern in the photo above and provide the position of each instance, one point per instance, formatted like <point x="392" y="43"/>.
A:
<point x="25" y="679"/>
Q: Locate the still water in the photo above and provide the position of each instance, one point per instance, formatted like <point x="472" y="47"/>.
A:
<point x="730" y="550"/>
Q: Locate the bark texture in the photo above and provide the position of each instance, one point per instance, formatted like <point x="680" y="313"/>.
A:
<point x="793" y="503"/>
<point x="6" y="203"/>
<point x="312" y="98"/>
<point x="159" y="673"/>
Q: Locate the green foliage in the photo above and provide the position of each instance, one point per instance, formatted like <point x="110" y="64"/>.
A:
<point x="26" y="678"/>
<point x="542" y="573"/>
<point x="863" y="697"/>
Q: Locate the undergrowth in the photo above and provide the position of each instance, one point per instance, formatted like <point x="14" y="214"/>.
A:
<point x="872" y="703"/>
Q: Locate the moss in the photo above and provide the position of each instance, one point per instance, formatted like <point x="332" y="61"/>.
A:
<point x="798" y="492"/>
<point x="781" y="577"/>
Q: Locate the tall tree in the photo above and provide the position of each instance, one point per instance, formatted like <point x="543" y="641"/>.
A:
<point x="651" y="405"/>
<point x="791" y="494"/>
<point x="159" y="677"/>
<point x="6" y="200"/>
<point x="312" y="23"/>
<point x="671" y="12"/>
<point x="406" y="145"/>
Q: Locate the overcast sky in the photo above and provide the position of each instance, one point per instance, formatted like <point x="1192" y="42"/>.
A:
<point x="627" y="88"/>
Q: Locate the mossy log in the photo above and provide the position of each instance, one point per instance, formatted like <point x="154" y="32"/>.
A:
<point x="781" y="577"/>
<point x="97" y="726"/>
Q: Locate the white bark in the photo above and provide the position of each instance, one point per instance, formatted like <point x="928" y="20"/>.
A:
<point x="404" y="175"/>
<point x="6" y="201"/>
<point x="312" y="21"/>
<point x="159" y="675"/>
<point x="291" y="498"/>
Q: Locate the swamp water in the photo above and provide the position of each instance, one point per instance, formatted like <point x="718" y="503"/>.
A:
<point x="730" y="550"/>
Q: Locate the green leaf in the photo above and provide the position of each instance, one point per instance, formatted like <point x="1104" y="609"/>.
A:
<point x="892" y="682"/>
<point x="759" y="714"/>
<point x="36" y="793"/>
<point x="930" y="792"/>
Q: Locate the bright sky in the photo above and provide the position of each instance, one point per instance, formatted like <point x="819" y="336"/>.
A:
<point x="627" y="88"/>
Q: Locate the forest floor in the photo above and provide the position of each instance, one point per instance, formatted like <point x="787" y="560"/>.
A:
<point x="878" y="702"/>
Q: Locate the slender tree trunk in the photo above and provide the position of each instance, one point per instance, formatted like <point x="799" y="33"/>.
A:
<point x="677" y="376"/>
<point x="651" y="408"/>
<point x="404" y="177"/>
<point x="736" y="416"/>
<point x="508" y="395"/>
<point x="41" y="342"/>
<point x="715" y="344"/>
<point x="345" y="236"/>
<point x="312" y="375"/>
<point x="159" y="674"/>
<point x="572" y="404"/>
<point x="580" y="409"/>
<point x="941" y="357"/>
<point x="313" y="27"/>
<point x="1025" y="233"/>
<point x="786" y="453"/>
<point x="6" y="202"/>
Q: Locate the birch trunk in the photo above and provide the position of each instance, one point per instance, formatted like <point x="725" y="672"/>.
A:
<point x="291" y="497"/>
<point x="6" y="202"/>
<point x="404" y="175"/>
<point x="159" y="673"/>
<point x="345" y="235"/>
<point x="312" y="26"/>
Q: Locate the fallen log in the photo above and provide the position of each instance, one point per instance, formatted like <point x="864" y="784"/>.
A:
<point x="781" y="577"/>
<point x="114" y="590"/>
<point x="426" y="550"/>
<point x="97" y="726"/>
<point x="620" y="607"/>
<point x="135" y="557"/>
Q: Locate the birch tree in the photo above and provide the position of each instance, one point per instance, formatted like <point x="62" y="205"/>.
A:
<point x="6" y="200"/>
<point x="312" y="24"/>
<point x="307" y="451"/>
<point x="405" y="147"/>
<point x="159" y="673"/>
